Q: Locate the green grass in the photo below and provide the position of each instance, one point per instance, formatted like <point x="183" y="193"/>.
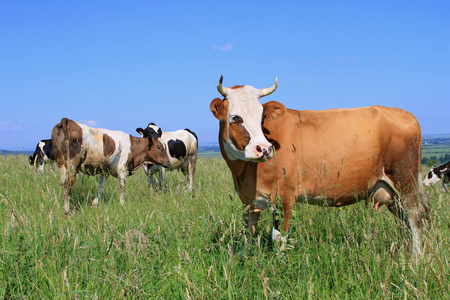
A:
<point x="170" y="244"/>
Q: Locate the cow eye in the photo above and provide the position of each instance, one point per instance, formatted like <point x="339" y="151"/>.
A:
<point x="237" y="119"/>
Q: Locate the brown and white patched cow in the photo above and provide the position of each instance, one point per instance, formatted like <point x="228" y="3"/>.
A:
<point x="80" y="148"/>
<point x="332" y="157"/>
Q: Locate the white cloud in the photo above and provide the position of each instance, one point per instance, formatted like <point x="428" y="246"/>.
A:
<point x="7" y="126"/>
<point x="227" y="47"/>
<point x="90" y="123"/>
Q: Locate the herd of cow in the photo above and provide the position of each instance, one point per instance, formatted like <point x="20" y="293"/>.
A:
<point x="277" y="156"/>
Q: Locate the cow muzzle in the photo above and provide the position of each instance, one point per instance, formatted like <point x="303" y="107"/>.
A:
<point x="263" y="152"/>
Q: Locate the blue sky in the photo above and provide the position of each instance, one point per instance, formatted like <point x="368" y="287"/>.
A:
<point x="122" y="64"/>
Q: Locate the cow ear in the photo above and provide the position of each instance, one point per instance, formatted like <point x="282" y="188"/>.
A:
<point x="159" y="132"/>
<point x="150" y="142"/>
<point x="140" y="130"/>
<point x="273" y="110"/>
<point x="219" y="108"/>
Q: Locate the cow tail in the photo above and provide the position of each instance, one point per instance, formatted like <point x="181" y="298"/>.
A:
<point x="64" y="123"/>
<point x="422" y="195"/>
<point x="425" y="214"/>
<point x="424" y="199"/>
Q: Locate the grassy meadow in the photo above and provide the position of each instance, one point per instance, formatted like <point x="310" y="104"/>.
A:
<point x="170" y="244"/>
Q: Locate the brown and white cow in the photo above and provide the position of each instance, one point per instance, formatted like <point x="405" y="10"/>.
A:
<point x="332" y="157"/>
<point x="80" y="148"/>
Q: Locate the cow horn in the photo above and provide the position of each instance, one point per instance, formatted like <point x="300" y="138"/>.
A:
<point x="442" y="171"/>
<point x="268" y="91"/>
<point x="222" y="90"/>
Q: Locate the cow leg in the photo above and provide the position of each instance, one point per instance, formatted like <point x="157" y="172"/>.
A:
<point x="162" y="174"/>
<point x="67" y="191"/>
<point x="412" y="218"/>
<point x="149" y="174"/>
<point x="251" y="216"/>
<point x="444" y="186"/>
<point x="403" y="207"/>
<point x="101" y="186"/>
<point x="277" y="237"/>
<point x="66" y="188"/>
<point x="67" y="180"/>
<point x="150" y="180"/>
<point x="191" y="171"/>
<point x="121" y="188"/>
<point x="41" y="168"/>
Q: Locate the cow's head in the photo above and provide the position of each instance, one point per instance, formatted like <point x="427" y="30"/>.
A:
<point x="151" y="131"/>
<point x="158" y="149"/>
<point x="242" y="115"/>
<point x="39" y="157"/>
<point x="433" y="176"/>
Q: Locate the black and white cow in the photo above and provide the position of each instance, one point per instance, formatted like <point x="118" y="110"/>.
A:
<point x="438" y="173"/>
<point x="42" y="154"/>
<point x="181" y="147"/>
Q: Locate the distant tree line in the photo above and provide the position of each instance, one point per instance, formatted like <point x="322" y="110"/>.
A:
<point x="436" y="161"/>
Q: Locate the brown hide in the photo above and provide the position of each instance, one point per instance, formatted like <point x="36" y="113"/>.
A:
<point x="333" y="157"/>
<point x="63" y="147"/>
<point x="340" y="153"/>
<point x="143" y="152"/>
<point x="66" y="149"/>
<point x="108" y="145"/>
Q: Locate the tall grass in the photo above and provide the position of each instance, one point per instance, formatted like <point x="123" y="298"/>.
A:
<point x="170" y="244"/>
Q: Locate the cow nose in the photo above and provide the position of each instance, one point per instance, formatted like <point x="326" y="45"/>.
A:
<point x="263" y="151"/>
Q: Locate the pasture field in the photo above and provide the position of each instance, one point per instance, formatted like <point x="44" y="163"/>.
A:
<point x="170" y="244"/>
<point x="435" y="150"/>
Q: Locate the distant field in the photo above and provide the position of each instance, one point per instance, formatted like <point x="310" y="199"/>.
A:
<point x="436" y="137"/>
<point x="172" y="244"/>
<point x="435" y="149"/>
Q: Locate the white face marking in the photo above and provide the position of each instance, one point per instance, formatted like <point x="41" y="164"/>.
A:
<point x="431" y="178"/>
<point x="244" y="103"/>
<point x="154" y="127"/>
<point x="41" y="146"/>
